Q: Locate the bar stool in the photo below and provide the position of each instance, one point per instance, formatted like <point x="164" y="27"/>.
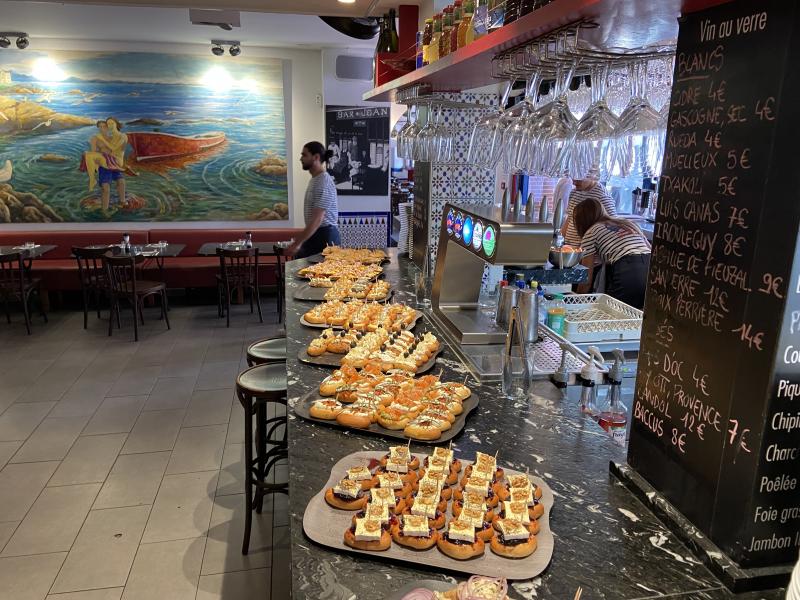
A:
<point x="268" y="350"/>
<point x="256" y="388"/>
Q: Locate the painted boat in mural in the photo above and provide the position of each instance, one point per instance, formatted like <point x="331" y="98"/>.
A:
<point x="153" y="146"/>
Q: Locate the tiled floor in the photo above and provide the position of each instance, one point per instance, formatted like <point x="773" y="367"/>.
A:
<point x="121" y="463"/>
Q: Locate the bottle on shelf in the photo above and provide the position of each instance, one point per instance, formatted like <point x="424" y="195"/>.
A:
<point x="447" y="31"/>
<point x="427" y="36"/>
<point x="542" y="303"/>
<point x="436" y="36"/>
<point x="479" y="26"/>
<point x="394" y="40"/>
<point x="589" y="375"/>
<point x="556" y="313"/>
<point x="466" y="22"/>
<point x="497" y="10"/>
<point x="383" y="44"/>
<point x="418" y="63"/>
<point x="614" y="417"/>
<point x="519" y="280"/>
<point x="457" y="11"/>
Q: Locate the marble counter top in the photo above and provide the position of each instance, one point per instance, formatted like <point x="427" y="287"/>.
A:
<point x="606" y="540"/>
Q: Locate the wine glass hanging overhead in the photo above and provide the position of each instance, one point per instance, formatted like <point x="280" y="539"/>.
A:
<point x="621" y="96"/>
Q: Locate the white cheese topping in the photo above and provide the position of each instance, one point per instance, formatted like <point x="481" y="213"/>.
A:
<point x="359" y="474"/>
<point x="425" y="506"/>
<point x="513" y="530"/>
<point x="390" y="480"/>
<point x="459" y="530"/>
<point x="415" y="525"/>
<point x="377" y="512"/>
<point x="382" y="496"/>
<point x="517" y="511"/>
<point x="368" y="530"/>
<point x="348" y="488"/>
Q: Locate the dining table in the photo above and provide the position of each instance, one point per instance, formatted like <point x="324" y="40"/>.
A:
<point x="28" y="252"/>
<point x="264" y="248"/>
<point x="157" y="251"/>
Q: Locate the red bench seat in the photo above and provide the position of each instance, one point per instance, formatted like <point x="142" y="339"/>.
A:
<point x="59" y="271"/>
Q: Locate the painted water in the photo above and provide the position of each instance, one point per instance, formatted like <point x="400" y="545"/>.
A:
<point x="220" y="184"/>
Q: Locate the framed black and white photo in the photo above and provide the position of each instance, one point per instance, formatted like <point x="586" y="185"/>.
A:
<point x="358" y="136"/>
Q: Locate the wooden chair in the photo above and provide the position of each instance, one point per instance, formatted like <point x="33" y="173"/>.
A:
<point x="123" y="285"/>
<point x="238" y="269"/>
<point x="92" y="276"/>
<point x="17" y="285"/>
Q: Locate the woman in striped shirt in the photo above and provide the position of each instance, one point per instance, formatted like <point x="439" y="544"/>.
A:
<point x="585" y="189"/>
<point x="622" y="248"/>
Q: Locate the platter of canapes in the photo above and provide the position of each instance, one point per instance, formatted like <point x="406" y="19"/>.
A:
<point x="391" y="405"/>
<point x="471" y="516"/>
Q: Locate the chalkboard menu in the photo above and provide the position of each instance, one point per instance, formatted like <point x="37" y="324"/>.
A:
<point x="421" y="211"/>
<point x="716" y="415"/>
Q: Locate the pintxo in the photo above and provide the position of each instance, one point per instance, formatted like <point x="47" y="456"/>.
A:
<point x="716" y="416"/>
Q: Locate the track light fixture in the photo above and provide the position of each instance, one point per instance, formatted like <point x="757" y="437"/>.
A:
<point x="218" y="47"/>
<point x="22" y="39"/>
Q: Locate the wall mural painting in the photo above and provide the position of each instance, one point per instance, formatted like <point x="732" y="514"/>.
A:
<point x="110" y="136"/>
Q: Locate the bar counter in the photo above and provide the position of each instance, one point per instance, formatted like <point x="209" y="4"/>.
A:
<point x="605" y="540"/>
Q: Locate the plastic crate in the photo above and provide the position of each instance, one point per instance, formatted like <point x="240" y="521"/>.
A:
<point x="599" y="317"/>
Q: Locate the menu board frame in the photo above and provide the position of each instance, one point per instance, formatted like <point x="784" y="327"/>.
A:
<point x="723" y="299"/>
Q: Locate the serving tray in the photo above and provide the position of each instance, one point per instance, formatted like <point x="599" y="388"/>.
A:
<point x="318" y="258"/>
<point x="329" y="359"/>
<point x="323" y="326"/>
<point x="326" y="525"/>
<point x="303" y="406"/>
<point x="317" y="294"/>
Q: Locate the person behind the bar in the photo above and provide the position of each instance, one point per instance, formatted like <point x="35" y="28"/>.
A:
<point x="321" y="207"/>
<point x="622" y="248"/>
<point x="586" y="188"/>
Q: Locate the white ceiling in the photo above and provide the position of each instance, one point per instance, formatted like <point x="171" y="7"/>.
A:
<point x="171" y="25"/>
<point x="353" y="8"/>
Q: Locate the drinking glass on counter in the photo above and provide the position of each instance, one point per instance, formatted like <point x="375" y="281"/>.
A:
<point x="517" y="369"/>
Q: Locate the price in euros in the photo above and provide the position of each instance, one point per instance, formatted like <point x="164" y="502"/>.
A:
<point x="679" y="440"/>
<point x="726" y="186"/>
<point x="713" y="139"/>
<point x="738" y="160"/>
<point x="752" y="339"/>
<point x="771" y="285"/>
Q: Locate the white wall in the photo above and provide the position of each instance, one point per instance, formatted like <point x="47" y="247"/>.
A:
<point x="305" y="116"/>
<point x="349" y="93"/>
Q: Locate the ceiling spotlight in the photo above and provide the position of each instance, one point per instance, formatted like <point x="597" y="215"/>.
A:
<point x="235" y="50"/>
<point x="4" y="42"/>
<point x="217" y="50"/>
<point x="23" y="42"/>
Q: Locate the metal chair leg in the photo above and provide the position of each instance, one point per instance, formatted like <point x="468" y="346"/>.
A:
<point x="165" y="307"/>
<point x="258" y="302"/>
<point x="85" y="308"/>
<point x="134" y="304"/>
<point x="27" y="312"/>
<point x="248" y="476"/>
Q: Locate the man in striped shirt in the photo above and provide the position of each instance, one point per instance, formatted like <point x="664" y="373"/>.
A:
<point x="585" y="189"/>
<point x="321" y="206"/>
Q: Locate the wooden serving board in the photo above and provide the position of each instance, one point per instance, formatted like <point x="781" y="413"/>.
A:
<point x="322" y="326"/>
<point x="303" y="406"/>
<point x="329" y="359"/>
<point x="317" y="294"/>
<point x="326" y="525"/>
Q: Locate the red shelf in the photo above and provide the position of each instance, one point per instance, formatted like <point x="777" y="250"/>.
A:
<point x="621" y="24"/>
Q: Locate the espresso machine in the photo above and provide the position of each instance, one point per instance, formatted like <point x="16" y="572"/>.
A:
<point x="469" y="239"/>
